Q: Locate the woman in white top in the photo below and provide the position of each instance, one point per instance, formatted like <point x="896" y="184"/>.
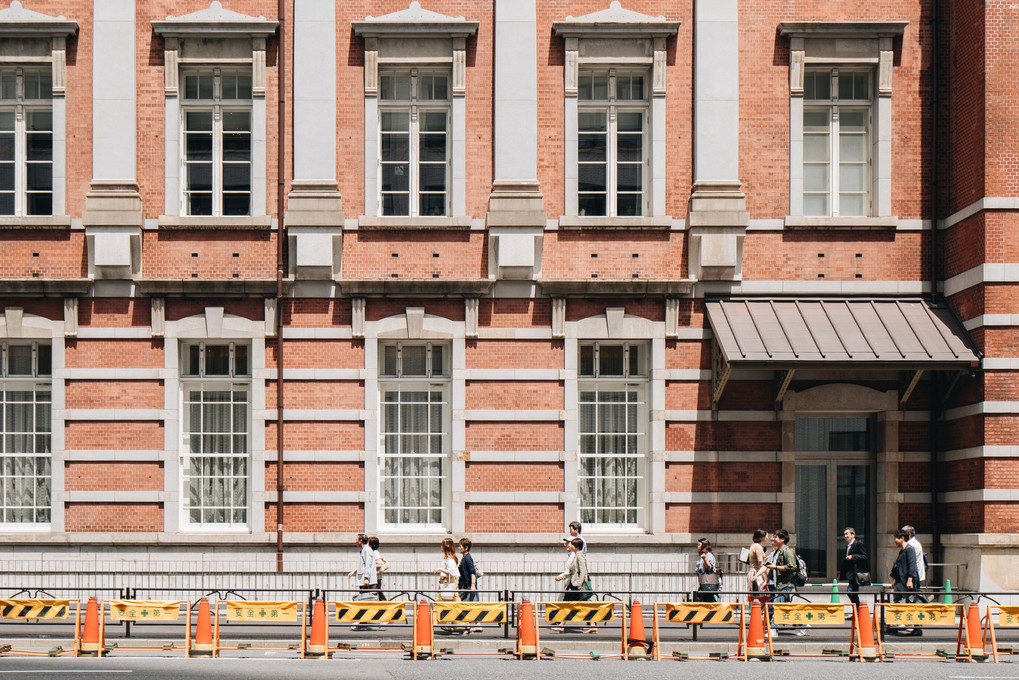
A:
<point x="449" y="573"/>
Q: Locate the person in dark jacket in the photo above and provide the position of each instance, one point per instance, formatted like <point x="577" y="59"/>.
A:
<point x="905" y="577"/>
<point x="853" y="562"/>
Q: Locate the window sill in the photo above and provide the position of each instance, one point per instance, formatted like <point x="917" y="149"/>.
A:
<point x="575" y="222"/>
<point x="36" y="221"/>
<point x="801" y="222"/>
<point x="376" y="222"/>
<point x="214" y="222"/>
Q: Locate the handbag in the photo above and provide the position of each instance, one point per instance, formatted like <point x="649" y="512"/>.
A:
<point x="744" y="555"/>
<point x="448" y="590"/>
<point x="862" y="578"/>
<point x="709" y="579"/>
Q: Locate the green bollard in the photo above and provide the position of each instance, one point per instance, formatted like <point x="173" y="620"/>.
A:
<point x="835" y="592"/>
<point x="948" y="591"/>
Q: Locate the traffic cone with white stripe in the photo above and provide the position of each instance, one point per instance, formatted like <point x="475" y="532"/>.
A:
<point x="755" y="637"/>
<point x="866" y="630"/>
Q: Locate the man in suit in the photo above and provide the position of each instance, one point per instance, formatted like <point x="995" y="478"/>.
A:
<point x="853" y="562"/>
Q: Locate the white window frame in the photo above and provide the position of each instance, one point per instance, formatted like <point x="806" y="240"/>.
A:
<point x="217" y="107"/>
<point x="629" y="382"/>
<point x="835" y="109"/>
<point x="415" y="108"/>
<point x="233" y="382"/>
<point x="21" y="107"/>
<point x="36" y="382"/>
<point x="850" y="46"/>
<point x="431" y="381"/>
<point x="612" y="107"/>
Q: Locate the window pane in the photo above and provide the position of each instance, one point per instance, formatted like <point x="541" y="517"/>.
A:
<point x="441" y="86"/>
<point x="39" y="146"/>
<point x="39" y="121"/>
<point x="587" y="360"/>
<point x="630" y="148"/>
<point x="592" y="121"/>
<point x="244" y="85"/>
<point x="630" y="121"/>
<point x="395" y="178"/>
<point x="236" y="177"/>
<point x="817" y="119"/>
<point x="610" y="360"/>
<point x="815" y="178"/>
<point x="432" y="177"/>
<point x="591" y="177"/>
<point x="198" y="121"/>
<point x="413" y="360"/>
<point x="395" y="204"/>
<point x="853" y="205"/>
<point x="861" y="86"/>
<point x="592" y="205"/>
<point x="591" y="148"/>
<point x="40" y="177"/>
<point x="629" y="205"/>
<point x="40" y="204"/>
<point x="853" y="120"/>
<point x="389" y="365"/>
<point x="845" y="86"/>
<point x="200" y="176"/>
<point x="432" y="148"/>
<point x="237" y="147"/>
<point x="237" y="204"/>
<point x="6" y="176"/>
<point x="6" y="200"/>
<point x="199" y="204"/>
<point x="236" y="121"/>
<point x="19" y="360"/>
<point x="205" y="86"/>
<point x="815" y="205"/>
<point x="44" y="357"/>
<point x="817" y="85"/>
<point x="815" y="148"/>
<point x="433" y="205"/>
<point x="852" y="177"/>
<point x="628" y="177"/>
<point x="8" y="85"/>
<point x="852" y="148"/>
<point x="395" y="147"/>
<point x="198" y="147"/>
<point x="601" y="86"/>
<point x="433" y="121"/>
<point x="7" y="121"/>
<point x="217" y="360"/>
<point x="394" y="86"/>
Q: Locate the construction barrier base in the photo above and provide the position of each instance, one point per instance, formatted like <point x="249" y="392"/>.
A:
<point x="421" y="653"/>
<point x="200" y="650"/>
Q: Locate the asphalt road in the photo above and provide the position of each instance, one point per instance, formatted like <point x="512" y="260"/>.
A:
<point x="490" y="668"/>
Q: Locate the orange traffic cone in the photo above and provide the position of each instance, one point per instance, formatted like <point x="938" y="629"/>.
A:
<point x="319" y="632"/>
<point x="422" y="632"/>
<point x="974" y="636"/>
<point x="527" y="636"/>
<point x="866" y="629"/>
<point x="203" y="633"/>
<point x="637" y="646"/>
<point x="755" y="637"/>
<point x="90" y="642"/>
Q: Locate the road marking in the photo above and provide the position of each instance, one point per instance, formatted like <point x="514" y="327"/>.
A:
<point x="66" y="672"/>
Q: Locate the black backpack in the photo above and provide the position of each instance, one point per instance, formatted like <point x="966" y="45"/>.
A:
<point x="800" y="577"/>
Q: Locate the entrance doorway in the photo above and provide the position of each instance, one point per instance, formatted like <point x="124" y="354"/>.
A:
<point x="834" y="488"/>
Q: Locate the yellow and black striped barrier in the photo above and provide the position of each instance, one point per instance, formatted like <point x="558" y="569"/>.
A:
<point x="469" y="612"/>
<point x="700" y="612"/>
<point x="579" y="612"/>
<point x="370" y="612"/>
<point x="35" y="609"/>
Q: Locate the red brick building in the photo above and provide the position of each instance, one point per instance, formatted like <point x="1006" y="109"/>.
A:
<point x="669" y="269"/>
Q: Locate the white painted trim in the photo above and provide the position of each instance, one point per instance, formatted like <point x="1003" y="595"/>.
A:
<point x="115" y="373"/>
<point x="116" y="496"/>
<point x="673" y="497"/>
<point x="995" y="272"/>
<point x="982" y="452"/>
<point x="310" y="456"/>
<point x="113" y="414"/>
<point x="981" y="204"/>
<point x="514" y="415"/>
<point x="316" y="497"/>
<point x="983" y="408"/>
<point x="317" y="374"/>
<point x="514" y="333"/>
<point x="514" y="497"/>
<point x="980" y="495"/>
<point x="317" y="415"/>
<point x="116" y="455"/>
<point x="512" y="374"/>
<point x="988" y="320"/>
<point x="517" y="456"/>
<point x="290" y="333"/>
<point x="133" y="333"/>
<point x="1005" y="364"/>
<point x="721" y="456"/>
<point x="703" y="415"/>
<point x="680" y="374"/>
<point x="853" y="287"/>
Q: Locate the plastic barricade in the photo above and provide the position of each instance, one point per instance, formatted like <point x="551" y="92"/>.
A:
<point x="575" y="614"/>
<point x="998" y="616"/>
<point x="34" y="609"/>
<point x="688" y="613"/>
<point x="812" y="614"/>
<point x="146" y="611"/>
<point x="254" y="612"/>
<point x="925" y="615"/>
<point x="366" y="615"/>
<point x="456" y="616"/>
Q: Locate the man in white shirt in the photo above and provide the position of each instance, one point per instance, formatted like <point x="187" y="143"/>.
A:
<point x="921" y="568"/>
<point x="365" y="574"/>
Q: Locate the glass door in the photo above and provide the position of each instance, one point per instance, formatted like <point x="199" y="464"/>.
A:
<point x="832" y="491"/>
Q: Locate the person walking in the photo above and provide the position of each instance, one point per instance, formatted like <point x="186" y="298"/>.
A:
<point x="575" y="528"/>
<point x="381" y="564"/>
<point x="575" y="576"/>
<point x="784" y="567"/>
<point x="921" y="563"/>
<point x="905" y="578"/>
<point x="854" y="563"/>
<point x="449" y="573"/>
<point x="365" y="575"/>
<point x="757" y="575"/>
<point x="708" y="579"/>
<point x="468" y="578"/>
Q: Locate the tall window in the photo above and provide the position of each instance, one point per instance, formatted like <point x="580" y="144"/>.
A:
<point x="612" y="147"/>
<point x="26" y="142"/>
<point x="613" y="433"/>
<point x="414" y="108"/>
<point x="836" y="143"/>
<point x="217" y="141"/>
<point x="414" y="387"/>
<point x="25" y="454"/>
<point x="216" y="451"/>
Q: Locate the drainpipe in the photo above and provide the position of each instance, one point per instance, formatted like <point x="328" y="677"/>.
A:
<point x="936" y="382"/>
<point x="280" y="268"/>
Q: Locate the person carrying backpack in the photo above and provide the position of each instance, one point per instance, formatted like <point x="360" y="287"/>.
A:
<point x="786" y="570"/>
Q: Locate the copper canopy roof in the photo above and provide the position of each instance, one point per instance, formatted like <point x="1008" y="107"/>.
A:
<point x="892" y="333"/>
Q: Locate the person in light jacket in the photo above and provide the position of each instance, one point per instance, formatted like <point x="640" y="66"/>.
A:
<point x="576" y="572"/>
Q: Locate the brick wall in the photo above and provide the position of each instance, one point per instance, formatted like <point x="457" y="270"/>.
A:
<point x="510" y="517"/>
<point x="113" y="476"/>
<point x="113" y="517"/>
<point x="514" y="477"/>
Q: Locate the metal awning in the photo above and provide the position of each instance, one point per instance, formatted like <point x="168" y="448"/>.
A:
<point x="898" y="334"/>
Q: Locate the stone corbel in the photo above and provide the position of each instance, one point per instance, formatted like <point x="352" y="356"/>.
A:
<point x="357" y="307"/>
<point x="158" y="316"/>
<point x="459" y="67"/>
<point x="558" y="317"/>
<point x="658" y="71"/>
<point x="671" y="317"/>
<point x="371" y="67"/>
<point x="471" y="317"/>
<point x="885" y="61"/>
<point x="271" y="310"/>
<point x="258" y="67"/>
<point x="59" y="58"/>
<point x="796" y="71"/>
<point x="571" y="67"/>
<point x="70" y="317"/>
<point x="171" y="70"/>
